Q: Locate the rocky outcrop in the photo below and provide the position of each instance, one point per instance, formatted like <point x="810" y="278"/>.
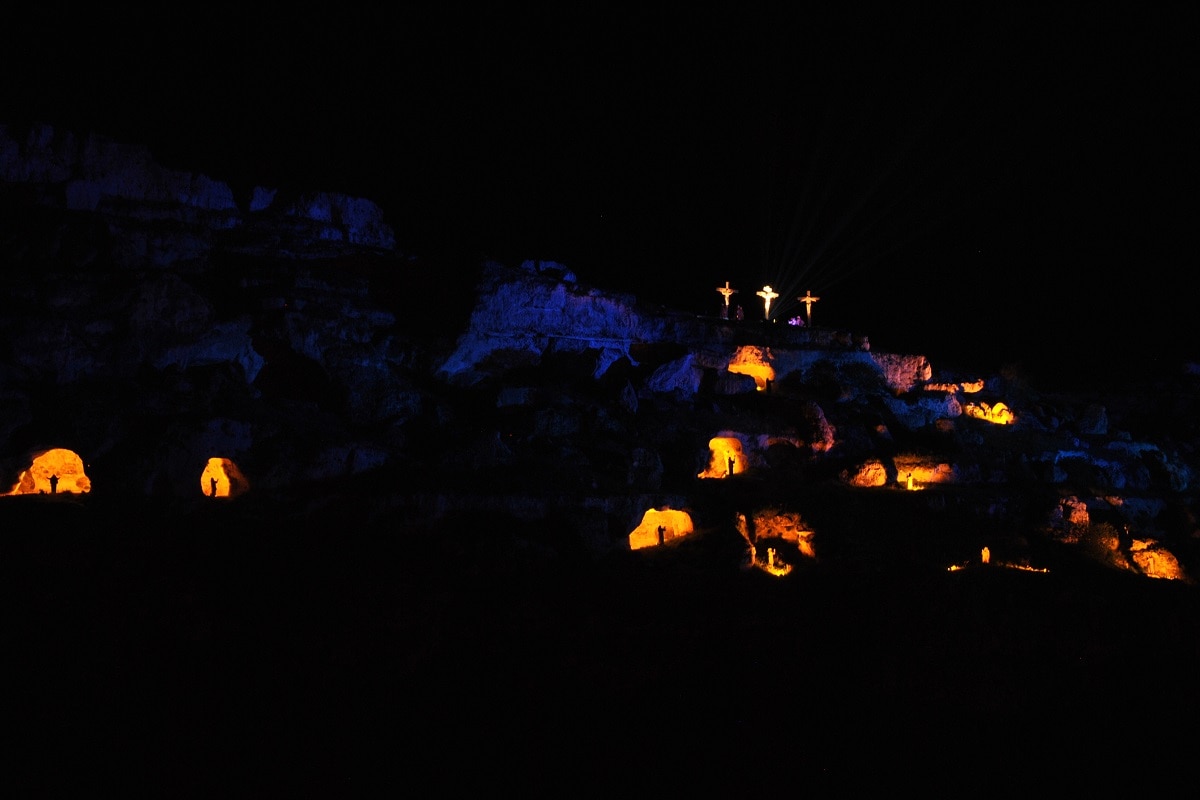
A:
<point x="151" y="324"/>
<point x="142" y="214"/>
<point x="144" y="303"/>
<point x="538" y="311"/>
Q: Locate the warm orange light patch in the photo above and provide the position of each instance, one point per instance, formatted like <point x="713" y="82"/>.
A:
<point x="870" y="473"/>
<point x="222" y="478"/>
<point x="967" y="387"/>
<point x="659" y="527"/>
<point x="755" y="362"/>
<point x="774" y="564"/>
<point x="785" y="525"/>
<point x="1156" y="561"/>
<point x="914" y="473"/>
<point x="726" y="457"/>
<point x="56" y="471"/>
<point x="1000" y="414"/>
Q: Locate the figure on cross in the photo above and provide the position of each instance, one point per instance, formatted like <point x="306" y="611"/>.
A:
<point x="767" y="294"/>
<point x="726" y="292"/>
<point x="808" y="301"/>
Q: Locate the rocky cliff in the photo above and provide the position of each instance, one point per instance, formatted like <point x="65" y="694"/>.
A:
<point x="264" y="476"/>
<point x="152" y="322"/>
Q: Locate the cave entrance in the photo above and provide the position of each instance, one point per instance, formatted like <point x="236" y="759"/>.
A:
<point x="222" y="478"/>
<point x="55" y="471"/>
<point x="660" y="526"/>
<point x="726" y="457"/>
<point x="755" y="362"/>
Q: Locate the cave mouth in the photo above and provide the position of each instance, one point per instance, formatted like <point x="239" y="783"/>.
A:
<point x="54" y="471"/>
<point x="755" y="362"/>
<point x="726" y="458"/>
<point x="660" y="526"/>
<point x="222" y="478"/>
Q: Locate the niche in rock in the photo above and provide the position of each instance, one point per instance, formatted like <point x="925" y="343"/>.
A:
<point x="726" y="457"/>
<point x="55" y="471"/>
<point x="755" y="362"/>
<point x="659" y="527"/>
<point x="222" y="478"/>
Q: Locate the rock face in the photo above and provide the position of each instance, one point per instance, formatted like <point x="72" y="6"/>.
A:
<point x="161" y="217"/>
<point x="150" y="324"/>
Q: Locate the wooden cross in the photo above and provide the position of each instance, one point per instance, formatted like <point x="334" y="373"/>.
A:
<point x="726" y="292"/>
<point x="767" y="294"/>
<point x="808" y="301"/>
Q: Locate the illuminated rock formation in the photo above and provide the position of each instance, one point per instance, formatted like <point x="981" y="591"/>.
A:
<point x="774" y="564"/>
<point x="787" y="526"/>
<point x="966" y="387"/>
<point x="660" y="526"/>
<point x="1070" y="519"/>
<point x="872" y="472"/>
<point x="1156" y="561"/>
<point x="923" y="470"/>
<point x="56" y="471"/>
<point x="153" y="321"/>
<point x="525" y="315"/>
<point x="522" y="315"/>
<point x="999" y="413"/>
<point x="727" y="457"/>
<point x="908" y="471"/>
<point x="222" y="478"/>
<point x="755" y="362"/>
<point x="925" y="409"/>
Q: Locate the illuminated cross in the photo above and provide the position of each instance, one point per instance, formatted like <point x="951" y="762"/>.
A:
<point x="767" y="294"/>
<point x="726" y="292"/>
<point x="808" y="301"/>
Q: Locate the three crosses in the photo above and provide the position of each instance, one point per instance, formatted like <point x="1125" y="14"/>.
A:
<point x="768" y="294"/>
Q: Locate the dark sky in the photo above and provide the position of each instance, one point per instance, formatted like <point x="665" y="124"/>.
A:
<point x="1005" y="187"/>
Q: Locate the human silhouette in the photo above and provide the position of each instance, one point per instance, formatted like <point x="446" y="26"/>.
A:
<point x="729" y="466"/>
<point x="213" y="481"/>
<point x="662" y="533"/>
<point x="53" y="484"/>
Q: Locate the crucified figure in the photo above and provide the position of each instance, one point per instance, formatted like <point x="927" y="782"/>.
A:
<point x="726" y="292"/>
<point x="767" y="294"/>
<point x="808" y="301"/>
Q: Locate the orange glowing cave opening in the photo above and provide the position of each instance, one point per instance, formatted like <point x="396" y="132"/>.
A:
<point x="659" y="527"/>
<point x="726" y="458"/>
<point x="999" y="414"/>
<point x="755" y="362"/>
<point x="56" y="471"/>
<point x="774" y="525"/>
<point x="222" y="478"/>
<point x="916" y="473"/>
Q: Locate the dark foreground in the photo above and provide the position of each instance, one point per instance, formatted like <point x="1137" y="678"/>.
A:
<point x="314" y="652"/>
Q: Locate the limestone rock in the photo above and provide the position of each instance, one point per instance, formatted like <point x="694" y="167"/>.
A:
<point x="152" y="324"/>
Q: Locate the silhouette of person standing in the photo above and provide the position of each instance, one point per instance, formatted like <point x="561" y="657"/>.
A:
<point x="662" y="534"/>
<point x="53" y="484"/>
<point x="213" y="481"/>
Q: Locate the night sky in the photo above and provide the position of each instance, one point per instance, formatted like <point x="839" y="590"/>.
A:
<point x="1006" y="188"/>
